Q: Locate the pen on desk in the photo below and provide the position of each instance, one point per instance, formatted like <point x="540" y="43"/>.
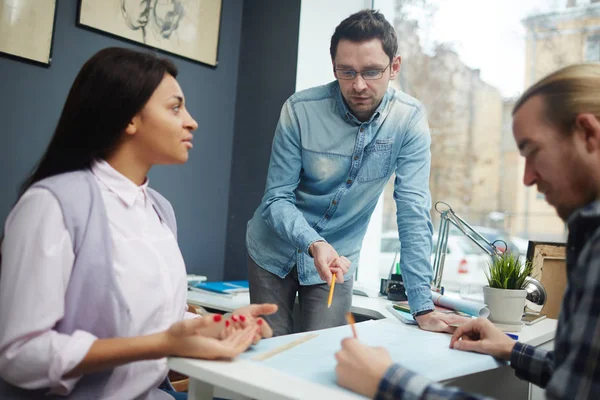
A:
<point x="351" y="321"/>
<point x="331" y="291"/>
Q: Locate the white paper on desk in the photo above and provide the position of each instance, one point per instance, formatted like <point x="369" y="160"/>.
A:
<point x="472" y="308"/>
<point x="423" y="352"/>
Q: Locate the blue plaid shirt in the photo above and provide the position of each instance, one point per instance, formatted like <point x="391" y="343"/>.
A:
<point x="572" y="370"/>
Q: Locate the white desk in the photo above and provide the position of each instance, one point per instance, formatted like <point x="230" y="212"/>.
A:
<point x="242" y="379"/>
<point x="374" y="308"/>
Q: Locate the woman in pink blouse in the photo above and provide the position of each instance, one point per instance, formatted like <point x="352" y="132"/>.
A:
<point x="93" y="284"/>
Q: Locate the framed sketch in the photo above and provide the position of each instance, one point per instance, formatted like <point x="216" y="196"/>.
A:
<point x="26" y="29"/>
<point x="186" y="28"/>
<point x="550" y="268"/>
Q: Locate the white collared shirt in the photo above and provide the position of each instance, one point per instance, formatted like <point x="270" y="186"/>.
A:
<point x="37" y="259"/>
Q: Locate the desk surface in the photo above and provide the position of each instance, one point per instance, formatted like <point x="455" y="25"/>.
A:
<point x="308" y="370"/>
<point x="258" y="380"/>
<point x="372" y="307"/>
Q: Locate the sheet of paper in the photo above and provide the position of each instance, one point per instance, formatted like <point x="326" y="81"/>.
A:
<point x="423" y="352"/>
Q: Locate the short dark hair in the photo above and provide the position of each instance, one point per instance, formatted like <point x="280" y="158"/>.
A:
<point x="109" y="90"/>
<point x="366" y="25"/>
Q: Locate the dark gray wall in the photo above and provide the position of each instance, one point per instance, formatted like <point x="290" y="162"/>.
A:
<point x="267" y="77"/>
<point x="31" y="99"/>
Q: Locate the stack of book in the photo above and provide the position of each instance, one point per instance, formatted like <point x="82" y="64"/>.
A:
<point x="401" y="310"/>
<point x="226" y="288"/>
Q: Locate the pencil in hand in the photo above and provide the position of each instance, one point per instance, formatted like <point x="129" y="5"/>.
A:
<point x="351" y="321"/>
<point x="331" y="291"/>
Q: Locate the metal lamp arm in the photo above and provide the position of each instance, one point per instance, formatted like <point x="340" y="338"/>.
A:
<point x="448" y="216"/>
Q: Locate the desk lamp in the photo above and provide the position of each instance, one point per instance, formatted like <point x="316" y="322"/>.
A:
<point x="536" y="294"/>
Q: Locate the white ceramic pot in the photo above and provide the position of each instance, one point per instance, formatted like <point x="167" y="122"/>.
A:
<point x="506" y="305"/>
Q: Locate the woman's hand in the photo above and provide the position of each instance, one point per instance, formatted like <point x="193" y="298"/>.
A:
<point x="184" y="339"/>
<point x="252" y="316"/>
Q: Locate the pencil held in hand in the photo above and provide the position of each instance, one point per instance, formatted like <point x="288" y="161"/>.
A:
<point x="331" y="290"/>
<point x="351" y="321"/>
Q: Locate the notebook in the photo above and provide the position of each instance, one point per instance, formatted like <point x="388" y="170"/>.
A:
<point x="401" y="310"/>
<point x="403" y="306"/>
<point x="403" y="316"/>
<point x="226" y="287"/>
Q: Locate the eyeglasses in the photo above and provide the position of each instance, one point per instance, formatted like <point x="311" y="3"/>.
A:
<point x="368" y="75"/>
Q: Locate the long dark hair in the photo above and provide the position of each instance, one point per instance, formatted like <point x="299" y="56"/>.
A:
<point x="110" y="89"/>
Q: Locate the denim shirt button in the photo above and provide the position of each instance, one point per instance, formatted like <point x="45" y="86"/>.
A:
<point x="327" y="216"/>
<point x="356" y="157"/>
<point x="349" y="181"/>
<point x="334" y="202"/>
<point x="362" y="129"/>
<point x="299" y="251"/>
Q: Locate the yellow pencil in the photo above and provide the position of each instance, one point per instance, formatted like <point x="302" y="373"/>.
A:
<point x="331" y="291"/>
<point x="351" y="321"/>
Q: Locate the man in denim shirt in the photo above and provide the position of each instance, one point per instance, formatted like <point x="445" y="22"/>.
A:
<point x="334" y="149"/>
<point x="557" y="129"/>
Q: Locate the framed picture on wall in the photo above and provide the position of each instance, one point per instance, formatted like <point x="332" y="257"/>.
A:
<point x="26" y="29"/>
<point x="186" y="28"/>
<point x="550" y="268"/>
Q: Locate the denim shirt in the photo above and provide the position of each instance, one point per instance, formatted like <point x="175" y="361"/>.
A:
<point x="326" y="174"/>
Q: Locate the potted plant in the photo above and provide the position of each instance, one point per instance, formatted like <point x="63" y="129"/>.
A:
<point x="505" y="293"/>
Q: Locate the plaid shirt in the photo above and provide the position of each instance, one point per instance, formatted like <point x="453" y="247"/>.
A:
<point x="572" y="370"/>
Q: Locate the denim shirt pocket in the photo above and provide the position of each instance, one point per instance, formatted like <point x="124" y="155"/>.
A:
<point x="376" y="161"/>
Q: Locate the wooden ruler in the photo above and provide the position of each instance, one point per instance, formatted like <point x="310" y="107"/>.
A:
<point x="282" y="348"/>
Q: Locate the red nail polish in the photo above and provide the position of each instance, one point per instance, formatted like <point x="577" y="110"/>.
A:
<point x="227" y="323"/>
<point x="259" y="322"/>
<point x="217" y="318"/>
<point x="242" y="318"/>
<point x="234" y="318"/>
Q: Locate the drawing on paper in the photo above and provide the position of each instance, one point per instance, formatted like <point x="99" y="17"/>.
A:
<point x="187" y="28"/>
